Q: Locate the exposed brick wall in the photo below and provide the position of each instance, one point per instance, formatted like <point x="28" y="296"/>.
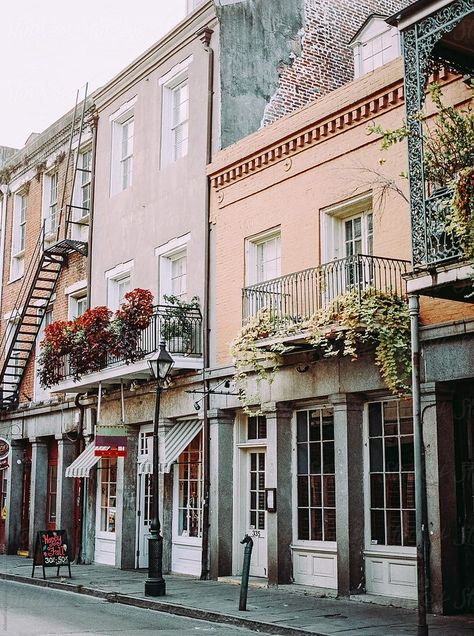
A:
<point x="325" y="61"/>
<point x="74" y="270"/>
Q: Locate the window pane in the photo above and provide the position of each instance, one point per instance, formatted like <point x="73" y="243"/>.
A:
<point x="315" y="487"/>
<point x="394" y="527"/>
<point x="409" y="527"/>
<point x="376" y="491"/>
<point x="316" y="524"/>
<point x="392" y="463"/>
<point x="301" y="426"/>
<point x="302" y="455"/>
<point x="328" y="457"/>
<point x="392" y="483"/>
<point x="329" y="524"/>
<point x="303" y="524"/>
<point x="315" y="426"/>
<point x="375" y="420"/>
<point x="377" y="527"/>
<point x="252" y="428"/>
<point x="315" y="457"/>
<point x="303" y="491"/>
<point x="329" y="491"/>
<point x="407" y="452"/>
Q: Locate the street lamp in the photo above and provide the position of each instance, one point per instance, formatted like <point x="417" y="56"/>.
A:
<point x="160" y="365"/>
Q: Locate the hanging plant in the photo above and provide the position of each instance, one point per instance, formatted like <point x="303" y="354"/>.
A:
<point x="349" y="321"/>
<point x="89" y="339"/>
<point x="461" y="221"/>
<point x="128" y="323"/>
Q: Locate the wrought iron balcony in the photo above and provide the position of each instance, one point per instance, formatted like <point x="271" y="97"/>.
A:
<point x="441" y="244"/>
<point x="296" y="297"/>
<point x="182" y="335"/>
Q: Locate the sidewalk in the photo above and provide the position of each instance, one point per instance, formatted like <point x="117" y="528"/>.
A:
<point x="288" y="610"/>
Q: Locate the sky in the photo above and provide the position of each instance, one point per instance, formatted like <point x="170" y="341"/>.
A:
<point x="51" y="48"/>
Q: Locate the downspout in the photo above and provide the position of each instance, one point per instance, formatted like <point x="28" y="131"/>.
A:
<point x="421" y="543"/>
<point x="205" y="37"/>
<point x="94" y="123"/>
<point x="5" y="189"/>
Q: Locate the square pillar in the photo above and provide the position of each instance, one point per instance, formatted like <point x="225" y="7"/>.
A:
<point x="278" y="475"/>
<point x="349" y="469"/>
<point x="127" y="504"/>
<point x="165" y="484"/>
<point x="440" y="471"/>
<point x="14" y="497"/>
<point x="88" y="523"/>
<point x="221" y="427"/>
<point x="39" y="478"/>
<point x="65" y="505"/>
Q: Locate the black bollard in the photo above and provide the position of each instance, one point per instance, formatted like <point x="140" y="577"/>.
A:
<point x="244" y="586"/>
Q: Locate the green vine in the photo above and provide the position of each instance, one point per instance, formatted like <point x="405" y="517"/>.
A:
<point x="461" y="220"/>
<point x="349" y="321"/>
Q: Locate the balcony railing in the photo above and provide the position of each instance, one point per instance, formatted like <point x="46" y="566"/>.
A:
<point x="296" y="297"/>
<point x="182" y="335"/>
<point x="441" y="244"/>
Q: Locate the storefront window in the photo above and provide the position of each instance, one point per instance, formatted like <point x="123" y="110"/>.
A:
<point x="108" y="493"/>
<point x="392" y="477"/>
<point x="52" y="491"/>
<point x="316" y="487"/>
<point x="190" y="489"/>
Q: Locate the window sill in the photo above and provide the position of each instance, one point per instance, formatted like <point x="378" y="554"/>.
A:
<point x="19" y="255"/>
<point x="17" y="278"/>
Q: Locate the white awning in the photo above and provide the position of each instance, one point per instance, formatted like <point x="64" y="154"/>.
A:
<point x="82" y="465"/>
<point x="176" y="440"/>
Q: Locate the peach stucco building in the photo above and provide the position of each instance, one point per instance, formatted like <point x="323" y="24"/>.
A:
<point x="300" y="213"/>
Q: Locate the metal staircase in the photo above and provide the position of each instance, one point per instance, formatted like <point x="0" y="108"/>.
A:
<point x="38" y="285"/>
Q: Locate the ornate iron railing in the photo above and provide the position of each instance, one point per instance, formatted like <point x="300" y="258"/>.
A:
<point x="295" y="297"/>
<point x="181" y="332"/>
<point x="441" y="244"/>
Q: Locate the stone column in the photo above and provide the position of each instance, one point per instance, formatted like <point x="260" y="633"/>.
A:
<point x="65" y="505"/>
<point x="39" y="478"/>
<point x="166" y="496"/>
<point x="438" y="437"/>
<point x="349" y="469"/>
<point x="14" y="497"/>
<point x="126" y="546"/>
<point x="221" y="427"/>
<point x="90" y="507"/>
<point x="278" y="475"/>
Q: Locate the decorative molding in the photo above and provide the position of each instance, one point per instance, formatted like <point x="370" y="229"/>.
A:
<point x="317" y="132"/>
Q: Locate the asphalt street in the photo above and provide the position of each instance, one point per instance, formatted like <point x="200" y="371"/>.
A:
<point x="32" y="611"/>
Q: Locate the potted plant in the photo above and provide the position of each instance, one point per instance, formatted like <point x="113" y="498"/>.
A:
<point x="178" y="326"/>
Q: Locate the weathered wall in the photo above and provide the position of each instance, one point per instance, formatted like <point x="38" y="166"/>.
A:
<point x="280" y="55"/>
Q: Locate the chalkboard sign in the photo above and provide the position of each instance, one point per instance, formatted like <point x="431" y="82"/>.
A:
<point x="51" y="551"/>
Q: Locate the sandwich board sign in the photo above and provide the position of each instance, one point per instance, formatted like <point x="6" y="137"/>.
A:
<point x="51" y="551"/>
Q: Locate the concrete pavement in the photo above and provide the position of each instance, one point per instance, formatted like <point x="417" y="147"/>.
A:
<point x="287" y="610"/>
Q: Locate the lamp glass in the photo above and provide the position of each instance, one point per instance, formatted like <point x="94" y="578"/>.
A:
<point x="161" y="364"/>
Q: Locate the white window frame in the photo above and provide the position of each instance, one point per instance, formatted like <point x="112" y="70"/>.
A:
<point x="252" y="244"/>
<point x="83" y="185"/>
<point x="74" y="302"/>
<point x="125" y="115"/>
<point x="172" y="250"/>
<point x="50" y="203"/>
<point x="114" y="277"/>
<point x="368" y="546"/>
<point x="169" y="83"/>
<point x="333" y="225"/>
<point x="20" y="205"/>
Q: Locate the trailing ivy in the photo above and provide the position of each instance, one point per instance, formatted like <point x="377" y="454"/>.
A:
<point x="349" y="321"/>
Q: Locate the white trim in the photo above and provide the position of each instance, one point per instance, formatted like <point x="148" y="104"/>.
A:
<point x="176" y="70"/>
<point x="173" y="245"/>
<point x="251" y="245"/>
<point x="123" y="110"/>
<point x="118" y="270"/>
<point x="79" y="286"/>
<point x="330" y="223"/>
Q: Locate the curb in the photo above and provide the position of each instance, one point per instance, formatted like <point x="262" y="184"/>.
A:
<point x="169" y="608"/>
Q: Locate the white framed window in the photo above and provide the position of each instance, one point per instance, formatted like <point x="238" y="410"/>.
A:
<point x="119" y="280"/>
<point x="175" y="113"/>
<point x="263" y="257"/>
<point x="375" y="44"/>
<point x="347" y="229"/>
<point x="50" y="203"/>
<point x="123" y="130"/>
<point x="85" y="167"/>
<point x="390" y="484"/>
<point x="18" y="235"/>
<point x="173" y="267"/>
<point x="77" y="304"/>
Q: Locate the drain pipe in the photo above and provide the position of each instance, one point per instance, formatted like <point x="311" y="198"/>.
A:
<point x="414" y="309"/>
<point x="205" y="37"/>
<point x="4" y="189"/>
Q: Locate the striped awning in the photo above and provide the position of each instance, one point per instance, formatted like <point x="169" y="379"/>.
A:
<point x="82" y="465"/>
<point x="176" y="440"/>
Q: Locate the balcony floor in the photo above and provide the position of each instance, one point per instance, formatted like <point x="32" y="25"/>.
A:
<point x="451" y="282"/>
<point x="127" y="372"/>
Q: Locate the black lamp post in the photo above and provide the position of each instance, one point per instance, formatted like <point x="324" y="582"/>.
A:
<point x="155" y="585"/>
